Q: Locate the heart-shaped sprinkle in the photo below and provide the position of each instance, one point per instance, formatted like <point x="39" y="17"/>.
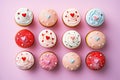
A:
<point x="24" y="14"/>
<point x="47" y="37"/>
<point x="47" y="62"/>
<point x="23" y="38"/>
<point x="48" y="16"/>
<point x="75" y="11"/>
<point x="96" y="60"/>
<point x="23" y="58"/>
<point x="72" y="61"/>
<point x="72" y="14"/>
<point x="97" y="38"/>
<point x="96" y="17"/>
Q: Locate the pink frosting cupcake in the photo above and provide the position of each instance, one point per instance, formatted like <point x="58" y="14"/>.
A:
<point x="95" y="39"/>
<point x="48" y="17"/>
<point x="48" y="60"/>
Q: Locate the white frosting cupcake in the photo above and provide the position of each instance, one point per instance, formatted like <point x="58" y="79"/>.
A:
<point x="47" y="38"/>
<point x="24" y="60"/>
<point x="71" y="17"/>
<point x="71" y="39"/>
<point x="23" y="16"/>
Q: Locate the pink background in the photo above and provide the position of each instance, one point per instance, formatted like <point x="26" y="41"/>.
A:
<point x="8" y="48"/>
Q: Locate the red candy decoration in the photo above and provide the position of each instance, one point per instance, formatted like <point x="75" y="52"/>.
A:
<point x="24" y="14"/>
<point x="47" y="37"/>
<point x="72" y="14"/>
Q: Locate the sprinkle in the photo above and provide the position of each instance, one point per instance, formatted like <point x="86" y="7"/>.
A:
<point x="43" y="66"/>
<point x="77" y="65"/>
<point x="23" y="38"/>
<point x="75" y="11"/>
<point x="67" y="66"/>
<point x="48" y="62"/>
<point x="18" y="13"/>
<point x="52" y="38"/>
<point x="42" y="34"/>
<point x="48" y="16"/>
<point x="102" y="43"/>
<point x="46" y="31"/>
<point x="52" y="42"/>
<point x="72" y="69"/>
<point x="55" y="63"/>
<point x="42" y="40"/>
<point x="51" y="33"/>
<point x="97" y="38"/>
<point x="41" y="59"/>
<point x="90" y="57"/>
<point x="72" y="61"/>
<point x="18" y="18"/>
<point x="90" y="64"/>
<point x="100" y="54"/>
<point x="27" y="9"/>
<point x="99" y="45"/>
<point x="96" y="60"/>
<point x="47" y="55"/>
<point x="22" y="44"/>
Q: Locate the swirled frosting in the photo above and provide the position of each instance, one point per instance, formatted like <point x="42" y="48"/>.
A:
<point x="71" y="39"/>
<point x="23" y="16"/>
<point x="95" y="17"/>
<point x="24" y="60"/>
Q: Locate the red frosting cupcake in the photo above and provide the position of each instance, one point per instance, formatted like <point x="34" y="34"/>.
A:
<point x="24" y="38"/>
<point x="95" y="60"/>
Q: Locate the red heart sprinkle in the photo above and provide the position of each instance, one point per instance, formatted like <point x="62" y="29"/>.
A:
<point x="23" y="58"/>
<point x="42" y="40"/>
<point x="42" y="34"/>
<point x="72" y="14"/>
<point x="23" y="14"/>
<point x="52" y="38"/>
<point x="47" y="37"/>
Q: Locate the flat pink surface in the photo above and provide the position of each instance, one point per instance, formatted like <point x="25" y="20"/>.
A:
<point x="8" y="48"/>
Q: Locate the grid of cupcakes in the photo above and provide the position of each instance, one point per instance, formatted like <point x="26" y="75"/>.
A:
<point x="25" y="38"/>
<point x="71" y="39"/>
